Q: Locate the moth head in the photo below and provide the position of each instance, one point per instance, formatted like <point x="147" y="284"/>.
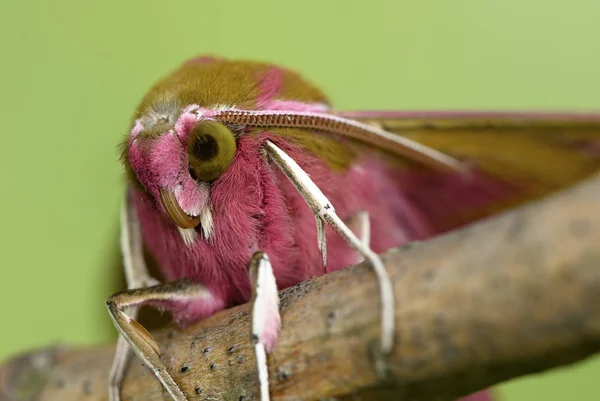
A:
<point x="176" y="160"/>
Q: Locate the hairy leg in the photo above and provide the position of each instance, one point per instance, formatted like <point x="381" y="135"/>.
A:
<point x="325" y="212"/>
<point x="266" y="320"/>
<point x="142" y="343"/>
<point x="143" y="289"/>
<point x="136" y="276"/>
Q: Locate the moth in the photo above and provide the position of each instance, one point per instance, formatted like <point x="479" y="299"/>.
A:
<point x="242" y="180"/>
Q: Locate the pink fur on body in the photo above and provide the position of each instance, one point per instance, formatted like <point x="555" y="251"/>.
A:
<point x="255" y="207"/>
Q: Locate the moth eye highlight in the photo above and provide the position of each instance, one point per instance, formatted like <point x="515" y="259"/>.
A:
<point x="211" y="148"/>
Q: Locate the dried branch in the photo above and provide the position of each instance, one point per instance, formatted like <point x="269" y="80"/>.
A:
<point x="510" y="296"/>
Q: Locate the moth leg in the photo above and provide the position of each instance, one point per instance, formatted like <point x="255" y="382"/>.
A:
<point x="136" y="276"/>
<point x="322" y="208"/>
<point x="266" y="320"/>
<point x="139" y="339"/>
<point x="119" y="363"/>
<point x="321" y="239"/>
<point x="361" y="226"/>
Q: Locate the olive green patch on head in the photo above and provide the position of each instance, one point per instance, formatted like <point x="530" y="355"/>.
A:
<point x="231" y="84"/>
<point x="221" y="82"/>
<point x="156" y="130"/>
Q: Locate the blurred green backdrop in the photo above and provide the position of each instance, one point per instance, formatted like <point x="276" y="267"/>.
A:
<point x="73" y="71"/>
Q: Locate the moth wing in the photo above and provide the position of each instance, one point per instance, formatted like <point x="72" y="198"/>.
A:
<point x="515" y="158"/>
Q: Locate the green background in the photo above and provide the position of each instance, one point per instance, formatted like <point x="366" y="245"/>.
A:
<point x="72" y="72"/>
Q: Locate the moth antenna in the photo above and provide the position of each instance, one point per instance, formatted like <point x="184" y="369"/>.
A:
<point x="342" y="126"/>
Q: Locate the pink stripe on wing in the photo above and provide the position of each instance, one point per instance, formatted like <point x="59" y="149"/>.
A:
<point x="291" y="105"/>
<point x="592" y="116"/>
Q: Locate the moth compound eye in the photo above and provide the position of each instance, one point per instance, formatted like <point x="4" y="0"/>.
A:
<point x="211" y="147"/>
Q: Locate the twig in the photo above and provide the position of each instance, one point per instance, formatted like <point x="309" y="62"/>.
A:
<point x="513" y="295"/>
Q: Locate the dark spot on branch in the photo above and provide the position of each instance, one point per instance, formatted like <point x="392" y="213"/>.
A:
<point x="330" y="319"/>
<point x="283" y="374"/>
<point x="428" y="274"/>
<point x="183" y="369"/>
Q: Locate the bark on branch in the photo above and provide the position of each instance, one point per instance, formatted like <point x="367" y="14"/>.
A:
<point x="510" y="296"/>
